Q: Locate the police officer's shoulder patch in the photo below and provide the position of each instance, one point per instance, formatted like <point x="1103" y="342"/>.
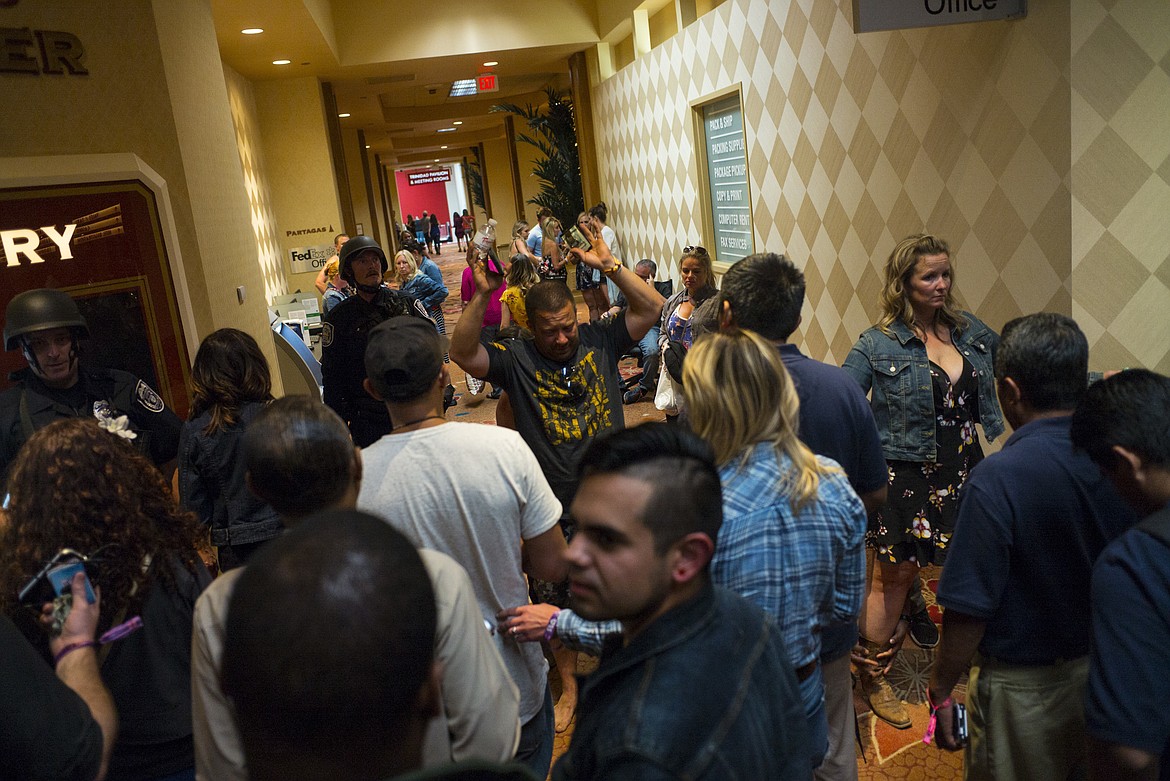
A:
<point x="326" y="334"/>
<point x="145" y="395"/>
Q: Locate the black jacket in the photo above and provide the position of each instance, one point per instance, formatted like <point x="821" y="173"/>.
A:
<point x="212" y="485"/>
<point x="343" y="360"/>
<point x="30" y="405"/>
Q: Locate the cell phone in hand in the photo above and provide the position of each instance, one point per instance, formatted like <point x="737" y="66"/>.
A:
<point x="960" y="719"/>
<point x="575" y="238"/>
<point x="54" y="580"/>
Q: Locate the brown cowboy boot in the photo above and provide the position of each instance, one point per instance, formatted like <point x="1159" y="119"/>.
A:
<point x="884" y="703"/>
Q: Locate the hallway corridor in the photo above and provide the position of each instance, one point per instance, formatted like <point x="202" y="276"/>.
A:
<point x="888" y="753"/>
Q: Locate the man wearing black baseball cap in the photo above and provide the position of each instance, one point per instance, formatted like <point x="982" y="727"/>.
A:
<point x="476" y="510"/>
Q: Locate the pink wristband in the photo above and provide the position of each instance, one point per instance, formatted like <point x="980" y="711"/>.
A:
<point x="934" y="709"/>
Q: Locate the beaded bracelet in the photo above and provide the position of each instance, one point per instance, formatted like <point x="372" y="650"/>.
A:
<point x="73" y="647"/>
<point x="114" y="633"/>
<point x="551" y="629"/>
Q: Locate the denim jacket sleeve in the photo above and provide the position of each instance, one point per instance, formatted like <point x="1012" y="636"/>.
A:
<point x="979" y="344"/>
<point x="895" y="371"/>
<point x="426" y="290"/>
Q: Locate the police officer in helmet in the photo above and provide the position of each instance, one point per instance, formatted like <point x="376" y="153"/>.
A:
<point x="344" y="336"/>
<point x="46" y="326"/>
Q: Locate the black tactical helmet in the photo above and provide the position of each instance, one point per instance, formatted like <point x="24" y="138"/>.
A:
<point x="354" y="247"/>
<point x="40" y="310"/>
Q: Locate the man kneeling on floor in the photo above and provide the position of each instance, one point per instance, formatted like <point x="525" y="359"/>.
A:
<point x="698" y="684"/>
<point x="329" y="657"/>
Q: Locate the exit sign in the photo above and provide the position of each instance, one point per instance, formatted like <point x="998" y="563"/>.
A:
<point x="487" y="82"/>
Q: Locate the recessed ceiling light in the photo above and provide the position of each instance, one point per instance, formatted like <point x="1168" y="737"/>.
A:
<point x="461" y="88"/>
<point x="252" y="30"/>
<point x="282" y="62"/>
<point x="343" y="115"/>
<point x="436" y="159"/>
<point x="457" y="122"/>
<point x="446" y="130"/>
<point x="367" y="146"/>
<point x="491" y="64"/>
<point x="444" y="146"/>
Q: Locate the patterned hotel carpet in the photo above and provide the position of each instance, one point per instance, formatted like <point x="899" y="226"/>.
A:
<point x="888" y="753"/>
<point x="891" y="753"/>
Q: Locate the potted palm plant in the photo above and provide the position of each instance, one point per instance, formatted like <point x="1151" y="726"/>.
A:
<point x="553" y="131"/>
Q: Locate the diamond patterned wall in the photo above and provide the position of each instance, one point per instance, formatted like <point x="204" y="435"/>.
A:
<point x="243" y="108"/>
<point x="857" y="140"/>
<point x="1120" y="79"/>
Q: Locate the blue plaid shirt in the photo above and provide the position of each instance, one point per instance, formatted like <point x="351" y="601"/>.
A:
<point x="806" y="570"/>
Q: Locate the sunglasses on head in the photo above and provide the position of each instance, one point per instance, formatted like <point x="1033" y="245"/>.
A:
<point x="694" y="249"/>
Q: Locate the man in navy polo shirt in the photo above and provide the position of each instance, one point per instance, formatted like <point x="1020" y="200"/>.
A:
<point x="1032" y="520"/>
<point x="764" y="293"/>
<point x="1124" y="425"/>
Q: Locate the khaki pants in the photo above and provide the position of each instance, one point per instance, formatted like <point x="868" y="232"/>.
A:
<point x="1026" y="723"/>
<point x="840" y="762"/>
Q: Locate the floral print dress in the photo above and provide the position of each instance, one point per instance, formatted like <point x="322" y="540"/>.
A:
<point x="918" y="518"/>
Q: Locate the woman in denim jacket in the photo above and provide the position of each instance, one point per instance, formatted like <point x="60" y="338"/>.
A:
<point x="928" y="369"/>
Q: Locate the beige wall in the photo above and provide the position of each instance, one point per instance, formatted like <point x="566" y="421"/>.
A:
<point x="242" y="100"/>
<point x="529" y="184"/>
<point x="162" y="99"/>
<point x="215" y="178"/>
<point x="857" y="140"/>
<point x="116" y="108"/>
<point x="498" y="181"/>
<point x="1121" y="181"/>
<point x="354" y="152"/>
<point x="291" y="115"/>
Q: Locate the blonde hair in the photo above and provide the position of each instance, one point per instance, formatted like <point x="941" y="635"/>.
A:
<point x="331" y="269"/>
<point x="517" y="227"/>
<point x="739" y="394"/>
<point x="895" y="302"/>
<point x="409" y="257"/>
<point x="549" y="228"/>
<point x="522" y="273"/>
<point x="546" y="226"/>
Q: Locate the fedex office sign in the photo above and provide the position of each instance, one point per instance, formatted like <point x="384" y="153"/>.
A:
<point x="26" y="242"/>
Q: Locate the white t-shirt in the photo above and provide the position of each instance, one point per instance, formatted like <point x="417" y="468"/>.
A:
<point x="476" y="507"/>
<point x="610" y="238"/>
<point x="480" y="704"/>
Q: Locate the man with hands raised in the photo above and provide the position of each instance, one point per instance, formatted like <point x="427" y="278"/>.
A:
<point x="563" y="382"/>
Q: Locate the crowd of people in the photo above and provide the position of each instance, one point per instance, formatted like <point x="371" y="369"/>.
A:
<point x="389" y="581"/>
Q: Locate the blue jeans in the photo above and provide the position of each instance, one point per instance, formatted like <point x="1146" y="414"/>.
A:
<point x="812" y="695"/>
<point x="649" y="347"/>
<point x="536" y="739"/>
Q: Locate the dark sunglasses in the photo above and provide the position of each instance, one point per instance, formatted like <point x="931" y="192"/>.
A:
<point x="694" y="249"/>
<point x="574" y="390"/>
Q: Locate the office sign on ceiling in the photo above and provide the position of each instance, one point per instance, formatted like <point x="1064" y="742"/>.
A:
<point x="873" y="15"/>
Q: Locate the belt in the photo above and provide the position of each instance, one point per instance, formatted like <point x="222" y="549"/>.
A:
<point x="804" y="673"/>
<point x="984" y="660"/>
